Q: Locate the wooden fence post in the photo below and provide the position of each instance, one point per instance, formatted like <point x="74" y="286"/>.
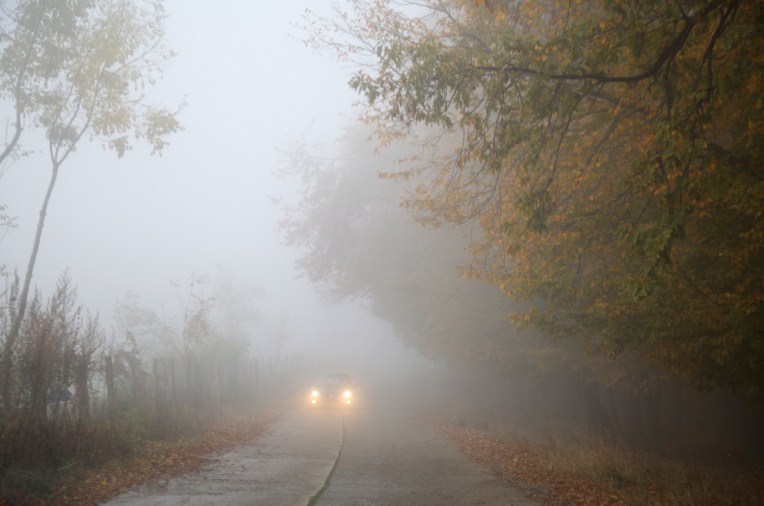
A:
<point x="111" y="401"/>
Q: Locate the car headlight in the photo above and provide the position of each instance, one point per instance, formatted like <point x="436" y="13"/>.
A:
<point x="347" y="394"/>
<point x="315" y="393"/>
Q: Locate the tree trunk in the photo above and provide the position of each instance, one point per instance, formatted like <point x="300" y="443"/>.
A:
<point x="83" y="393"/>
<point x="13" y="335"/>
<point x="651" y="403"/>
<point x="596" y="415"/>
<point x="133" y="364"/>
<point x="173" y="390"/>
<point x="157" y="390"/>
<point x="615" y="413"/>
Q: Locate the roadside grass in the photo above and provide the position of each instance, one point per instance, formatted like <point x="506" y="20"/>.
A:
<point x="640" y="478"/>
<point x="564" y="466"/>
<point x="130" y="451"/>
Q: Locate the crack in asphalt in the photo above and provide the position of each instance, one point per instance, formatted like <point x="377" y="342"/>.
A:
<point x="315" y="497"/>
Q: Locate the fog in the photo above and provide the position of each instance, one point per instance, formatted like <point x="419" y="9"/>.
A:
<point x="206" y="206"/>
<point x="268" y="123"/>
<point x="463" y="234"/>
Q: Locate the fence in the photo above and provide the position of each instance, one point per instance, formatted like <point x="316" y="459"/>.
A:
<point x="193" y="382"/>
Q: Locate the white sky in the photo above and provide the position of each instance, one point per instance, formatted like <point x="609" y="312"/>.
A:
<point x="135" y="224"/>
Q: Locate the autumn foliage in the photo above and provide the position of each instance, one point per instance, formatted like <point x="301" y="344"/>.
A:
<point x="610" y="152"/>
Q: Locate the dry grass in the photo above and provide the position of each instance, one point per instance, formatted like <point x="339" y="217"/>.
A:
<point x="566" y="466"/>
<point x="641" y="478"/>
<point x="82" y="483"/>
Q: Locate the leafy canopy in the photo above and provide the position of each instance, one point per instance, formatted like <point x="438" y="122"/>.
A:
<point x="611" y="152"/>
<point x="80" y="68"/>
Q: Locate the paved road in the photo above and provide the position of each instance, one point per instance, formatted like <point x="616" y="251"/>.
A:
<point x="368" y="456"/>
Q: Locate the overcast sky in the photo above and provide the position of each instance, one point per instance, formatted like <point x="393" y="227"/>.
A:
<point x="135" y="224"/>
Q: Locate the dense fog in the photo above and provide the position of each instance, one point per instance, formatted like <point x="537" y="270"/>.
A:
<point x="247" y="87"/>
<point x="445" y="200"/>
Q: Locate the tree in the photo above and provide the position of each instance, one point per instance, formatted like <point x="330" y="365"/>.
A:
<point x="236" y="313"/>
<point x="358" y="243"/>
<point x="59" y="342"/>
<point x="196" y="308"/>
<point x="610" y="152"/>
<point x="144" y="328"/>
<point x="6" y="223"/>
<point x="78" y="70"/>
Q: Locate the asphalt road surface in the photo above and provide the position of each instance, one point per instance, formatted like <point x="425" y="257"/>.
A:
<point x="371" y="455"/>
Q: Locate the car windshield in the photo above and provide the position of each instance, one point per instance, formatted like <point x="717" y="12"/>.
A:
<point x="334" y="379"/>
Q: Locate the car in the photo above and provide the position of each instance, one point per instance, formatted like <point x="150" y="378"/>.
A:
<point x="332" y="389"/>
